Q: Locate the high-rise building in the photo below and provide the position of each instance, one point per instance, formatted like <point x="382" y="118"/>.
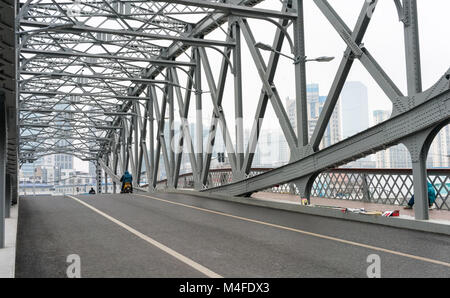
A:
<point x="315" y="104"/>
<point x="312" y="95"/>
<point x="355" y="116"/>
<point x="64" y="161"/>
<point x="268" y="148"/>
<point x="355" y="108"/>
<point x="437" y="155"/>
<point x="333" y="133"/>
<point x="382" y="158"/>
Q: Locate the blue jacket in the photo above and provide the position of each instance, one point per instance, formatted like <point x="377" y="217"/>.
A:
<point x="126" y="177"/>
<point x="431" y="193"/>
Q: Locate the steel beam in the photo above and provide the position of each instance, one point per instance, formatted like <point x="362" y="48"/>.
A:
<point x="341" y="75"/>
<point x="102" y="56"/>
<point x="239" y="10"/>
<point x="376" y="138"/>
<point x="216" y="97"/>
<point x="183" y="110"/>
<point x="263" y="98"/>
<point x="270" y="90"/>
<point x="301" y="104"/>
<point x="375" y="70"/>
<point x="202" y="28"/>
<point x="86" y="94"/>
<point x="80" y="29"/>
<point x="412" y="47"/>
<point x="238" y="108"/>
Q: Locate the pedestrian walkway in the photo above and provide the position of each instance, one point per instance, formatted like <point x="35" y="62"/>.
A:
<point x="435" y="215"/>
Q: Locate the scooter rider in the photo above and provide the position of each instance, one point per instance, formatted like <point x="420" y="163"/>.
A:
<point x="126" y="178"/>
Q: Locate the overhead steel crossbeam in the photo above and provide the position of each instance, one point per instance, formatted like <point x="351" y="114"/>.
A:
<point x="100" y="56"/>
<point x="70" y="28"/>
<point x="230" y="7"/>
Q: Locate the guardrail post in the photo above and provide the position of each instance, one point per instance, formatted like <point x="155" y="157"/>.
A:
<point x="365" y="188"/>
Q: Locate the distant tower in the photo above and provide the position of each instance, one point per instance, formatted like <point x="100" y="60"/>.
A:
<point x="383" y="158"/>
<point x="355" y="115"/>
<point x="333" y="133"/>
<point x="355" y="108"/>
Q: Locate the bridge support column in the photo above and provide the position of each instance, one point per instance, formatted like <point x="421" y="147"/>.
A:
<point x="8" y="195"/>
<point x="15" y="190"/>
<point x="304" y="186"/>
<point x="3" y="156"/>
<point x="106" y="177"/>
<point x="418" y="146"/>
<point x="99" y="178"/>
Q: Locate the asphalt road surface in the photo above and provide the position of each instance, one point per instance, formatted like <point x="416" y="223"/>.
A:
<point x="177" y="235"/>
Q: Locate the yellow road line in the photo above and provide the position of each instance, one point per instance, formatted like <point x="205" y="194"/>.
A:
<point x="306" y="233"/>
<point x="153" y="242"/>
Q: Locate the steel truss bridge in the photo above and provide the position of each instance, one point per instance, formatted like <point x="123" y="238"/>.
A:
<point x="102" y="80"/>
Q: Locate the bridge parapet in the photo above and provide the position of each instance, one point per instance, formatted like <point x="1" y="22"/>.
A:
<point x="380" y="186"/>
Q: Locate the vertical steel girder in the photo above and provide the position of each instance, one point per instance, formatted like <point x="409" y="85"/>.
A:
<point x="8" y="112"/>
<point x="3" y="160"/>
<point x="300" y="76"/>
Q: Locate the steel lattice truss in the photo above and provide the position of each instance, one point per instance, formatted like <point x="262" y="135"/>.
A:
<point x="78" y="60"/>
<point x="99" y="79"/>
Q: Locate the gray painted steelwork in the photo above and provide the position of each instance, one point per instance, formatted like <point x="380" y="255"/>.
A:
<point x="9" y="133"/>
<point x="113" y="95"/>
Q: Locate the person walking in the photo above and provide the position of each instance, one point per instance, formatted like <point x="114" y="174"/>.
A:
<point x="431" y="197"/>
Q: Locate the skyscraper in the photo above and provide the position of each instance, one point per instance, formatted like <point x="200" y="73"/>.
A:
<point x="355" y="116"/>
<point x="65" y="161"/>
<point x="312" y="96"/>
<point x="355" y="108"/>
<point x="383" y="158"/>
<point x="333" y="133"/>
<point x="315" y="104"/>
<point x="437" y="155"/>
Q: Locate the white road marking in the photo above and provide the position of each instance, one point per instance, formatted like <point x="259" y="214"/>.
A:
<point x="428" y="260"/>
<point x="153" y="242"/>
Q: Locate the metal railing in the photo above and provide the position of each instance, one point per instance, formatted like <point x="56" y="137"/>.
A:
<point x="380" y="186"/>
<point x="216" y="177"/>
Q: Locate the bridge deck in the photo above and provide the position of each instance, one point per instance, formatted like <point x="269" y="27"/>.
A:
<point x="172" y="235"/>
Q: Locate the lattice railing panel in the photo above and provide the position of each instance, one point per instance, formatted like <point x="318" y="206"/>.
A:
<point x="389" y="187"/>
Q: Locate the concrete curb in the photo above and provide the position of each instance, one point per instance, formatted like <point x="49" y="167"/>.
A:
<point x="396" y="222"/>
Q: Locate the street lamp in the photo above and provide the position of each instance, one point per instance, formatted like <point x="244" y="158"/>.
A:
<point x="267" y="47"/>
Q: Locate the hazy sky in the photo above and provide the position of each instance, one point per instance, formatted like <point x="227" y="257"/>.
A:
<point x="384" y="39"/>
